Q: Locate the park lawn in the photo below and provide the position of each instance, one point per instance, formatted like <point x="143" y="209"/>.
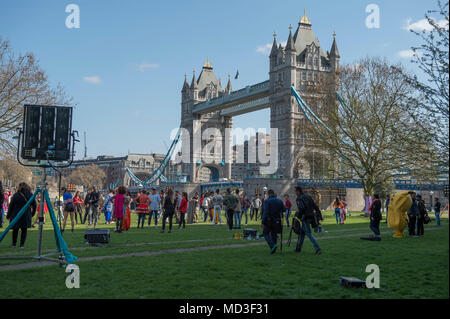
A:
<point x="409" y="267"/>
<point x="150" y="239"/>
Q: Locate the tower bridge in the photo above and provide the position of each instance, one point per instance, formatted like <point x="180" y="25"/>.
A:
<point x="249" y="99"/>
<point x="299" y="65"/>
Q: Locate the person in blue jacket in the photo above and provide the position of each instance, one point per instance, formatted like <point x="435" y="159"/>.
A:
<point x="271" y="219"/>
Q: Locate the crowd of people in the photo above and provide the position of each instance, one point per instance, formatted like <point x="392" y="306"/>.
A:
<point x="163" y="206"/>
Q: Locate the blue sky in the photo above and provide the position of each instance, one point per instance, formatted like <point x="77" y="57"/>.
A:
<point x="125" y="65"/>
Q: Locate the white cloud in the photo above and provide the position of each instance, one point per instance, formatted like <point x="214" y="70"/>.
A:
<point x="407" y="54"/>
<point x="92" y="79"/>
<point x="144" y="66"/>
<point x="265" y="49"/>
<point x="422" y="25"/>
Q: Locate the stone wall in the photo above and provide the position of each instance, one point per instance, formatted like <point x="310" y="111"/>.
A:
<point x="283" y="186"/>
<point x="189" y="188"/>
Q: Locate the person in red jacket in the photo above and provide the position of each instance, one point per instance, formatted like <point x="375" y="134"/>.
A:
<point x="143" y="204"/>
<point x="78" y="201"/>
<point x="288" y="205"/>
<point x="183" y="209"/>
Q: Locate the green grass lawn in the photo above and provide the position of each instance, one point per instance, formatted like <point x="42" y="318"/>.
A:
<point x="409" y="267"/>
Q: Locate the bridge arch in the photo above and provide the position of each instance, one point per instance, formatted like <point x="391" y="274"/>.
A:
<point x="215" y="172"/>
<point x="142" y="175"/>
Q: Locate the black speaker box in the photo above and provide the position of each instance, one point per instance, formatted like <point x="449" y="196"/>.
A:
<point x="352" y="282"/>
<point x="250" y="232"/>
<point x="97" y="236"/>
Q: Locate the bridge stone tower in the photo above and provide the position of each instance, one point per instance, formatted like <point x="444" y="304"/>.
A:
<point x="201" y="89"/>
<point x="304" y="64"/>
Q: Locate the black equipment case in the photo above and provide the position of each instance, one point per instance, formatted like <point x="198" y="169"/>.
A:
<point x="94" y="236"/>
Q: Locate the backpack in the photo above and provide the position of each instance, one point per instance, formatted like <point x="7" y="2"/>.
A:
<point x="297" y="225"/>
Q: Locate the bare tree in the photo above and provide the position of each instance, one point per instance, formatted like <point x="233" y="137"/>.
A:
<point x="370" y="136"/>
<point x="87" y="176"/>
<point x="22" y="81"/>
<point x="432" y="58"/>
<point x="14" y="173"/>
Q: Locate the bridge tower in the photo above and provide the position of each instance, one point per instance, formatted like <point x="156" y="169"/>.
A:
<point x="201" y="89"/>
<point x="304" y="64"/>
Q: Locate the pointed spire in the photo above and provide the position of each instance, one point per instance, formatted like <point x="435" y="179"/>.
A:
<point x="273" y="52"/>
<point x="185" y="84"/>
<point x="334" y="52"/>
<point x="229" y="88"/>
<point x="194" y="84"/>
<point x="290" y="42"/>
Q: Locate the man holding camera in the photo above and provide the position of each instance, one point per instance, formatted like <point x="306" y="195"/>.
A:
<point x="306" y="210"/>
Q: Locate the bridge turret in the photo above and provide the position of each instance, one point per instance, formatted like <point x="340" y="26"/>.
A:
<point x="291" y="57"/>
<point x="274" y="52"/>
<point x="229" y="88"/>
<point x="194" y="87"/>
<point x="334" y="55"/>
<point x="186" y="87"/>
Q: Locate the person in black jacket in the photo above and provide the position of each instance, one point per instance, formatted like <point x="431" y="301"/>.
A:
<point x="271" y="219"/>
<point x="93" y="200"/>
<point x="421" y="216"/>
<point x="375" y="218"/>
<point x="306" y="212"/>
<point x="86" y="208"/>
<point x="169" y="204"/>
<point x="18" y="201"/>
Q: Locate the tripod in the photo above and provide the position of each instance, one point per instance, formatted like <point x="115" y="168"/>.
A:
<point x="42" y="190"/>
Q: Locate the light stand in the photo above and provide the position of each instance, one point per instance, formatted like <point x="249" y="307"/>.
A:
<point x="42" y="191"/>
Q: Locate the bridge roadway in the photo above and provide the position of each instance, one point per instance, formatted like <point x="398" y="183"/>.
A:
<point x="248" y="99"/>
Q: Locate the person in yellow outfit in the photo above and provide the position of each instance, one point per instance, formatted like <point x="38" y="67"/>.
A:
<point x="397" y="218"/>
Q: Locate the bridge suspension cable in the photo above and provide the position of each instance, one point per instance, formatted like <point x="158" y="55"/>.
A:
<point x="313" y="118"/>
<point x="157" y="174"/>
